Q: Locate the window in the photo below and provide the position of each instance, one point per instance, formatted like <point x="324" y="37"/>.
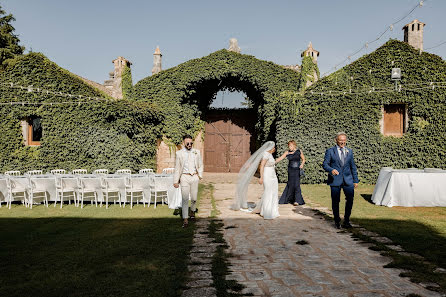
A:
<point x="418" y="27"/>
<point x="32" y="131"/>
<point x="394" y="121"/>
<point x="413" y="27"/>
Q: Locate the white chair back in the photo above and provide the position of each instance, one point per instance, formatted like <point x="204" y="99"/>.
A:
<point x="18" y="184"/>
<point x="114" y="182"/>
<point x="58" y="171"/>
<point x="162" y="183"/>
<point x="146" y="171"/>
<point x="123" y="171"/>
<point x="35" y="172"/>
<point x="92" y="184"/>
<point x="168" y="170"/>
<point x="12" y="173"/>
<point x="79" y="171"/>
<point x="68" y="183"/>
<point x="100" y="171"/>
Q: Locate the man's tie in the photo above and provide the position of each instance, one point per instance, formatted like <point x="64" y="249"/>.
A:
<point x="342" y="157"/>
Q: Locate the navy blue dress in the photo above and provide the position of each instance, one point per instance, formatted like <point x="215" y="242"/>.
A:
<point x="292" y="192"/>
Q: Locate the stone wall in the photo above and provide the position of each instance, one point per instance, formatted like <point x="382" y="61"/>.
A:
<point x="165" y="154"/>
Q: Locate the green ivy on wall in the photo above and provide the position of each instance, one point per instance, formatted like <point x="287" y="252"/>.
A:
<point x="99" y="134"/>
<point x="318" y="118"/>
<point x="126" y="83"/>
<point x="184" y="93"/>
<point x="309" y="72"/>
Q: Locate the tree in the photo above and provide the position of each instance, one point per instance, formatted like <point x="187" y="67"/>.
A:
<point x="9" y="42"/>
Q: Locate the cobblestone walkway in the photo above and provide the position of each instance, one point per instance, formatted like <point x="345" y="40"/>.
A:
<point x="301" y="254"/>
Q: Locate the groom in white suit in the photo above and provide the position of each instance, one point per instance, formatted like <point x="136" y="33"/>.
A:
<point x="188" y="171"/>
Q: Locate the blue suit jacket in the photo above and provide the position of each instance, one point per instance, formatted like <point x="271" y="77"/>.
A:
<point x="347" y="174"/>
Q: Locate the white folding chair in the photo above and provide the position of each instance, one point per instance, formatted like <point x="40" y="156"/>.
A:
<point x="158" y="185"/>
<point x="79" y="171"/>
<point x="35" y="188"/>
<point x="123" y="171"/>
<point x="100" y="171"/>
<point x="146" y="171"/>
<point x="17" y="186"/>
<point x="66" y="185"/>
<point x="12" y="173"/>
<point x="89" y="186"/>
<point x="113" y="185"/>
<point x="58" y="171"/>
<point x="34" y="172"/>
<point x="135" y="186"/>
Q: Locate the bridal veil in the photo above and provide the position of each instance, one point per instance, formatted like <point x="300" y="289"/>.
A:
<point x="245" y="175"/>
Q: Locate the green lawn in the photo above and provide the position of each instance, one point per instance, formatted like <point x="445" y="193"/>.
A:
<point x="92" y="251"/>
<point x="420" y="230"/>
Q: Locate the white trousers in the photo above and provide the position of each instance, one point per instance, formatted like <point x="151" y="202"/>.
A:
<point x="189" y="186"/>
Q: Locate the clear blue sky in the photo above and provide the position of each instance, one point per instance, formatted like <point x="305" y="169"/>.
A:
<point x="85" y="36"/>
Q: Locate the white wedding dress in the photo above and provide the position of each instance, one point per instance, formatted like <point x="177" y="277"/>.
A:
<point x="268" y="207"/>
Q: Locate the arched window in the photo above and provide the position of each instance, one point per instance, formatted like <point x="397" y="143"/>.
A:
<point x="419" y="26"/>
<point x="413" y="27"/>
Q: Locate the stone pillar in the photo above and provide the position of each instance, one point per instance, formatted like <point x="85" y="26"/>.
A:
<point x="413" y="34"/>
<point x="157" y="56"/>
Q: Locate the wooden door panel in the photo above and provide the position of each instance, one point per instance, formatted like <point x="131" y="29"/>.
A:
<point x="227" y="143"/>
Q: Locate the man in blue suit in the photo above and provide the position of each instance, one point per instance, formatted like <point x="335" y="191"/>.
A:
<point x="342" y="174"/>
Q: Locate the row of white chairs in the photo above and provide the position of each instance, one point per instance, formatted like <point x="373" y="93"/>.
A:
<point x="85" y="171"/>
<point x="78" y="188"/>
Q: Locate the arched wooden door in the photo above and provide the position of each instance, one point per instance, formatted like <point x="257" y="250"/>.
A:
<point x="229" y="138"/>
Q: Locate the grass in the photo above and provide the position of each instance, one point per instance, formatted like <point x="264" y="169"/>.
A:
<point x="92" y="251"/>
<point x="420" y="230"/>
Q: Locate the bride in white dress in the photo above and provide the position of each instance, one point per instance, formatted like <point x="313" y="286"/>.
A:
<point x="268" y="207"/>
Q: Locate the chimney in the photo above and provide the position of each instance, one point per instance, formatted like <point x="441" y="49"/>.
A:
<point x="413" y="34"/>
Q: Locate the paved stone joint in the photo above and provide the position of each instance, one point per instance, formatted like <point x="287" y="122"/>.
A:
<point x="268" y="261"/>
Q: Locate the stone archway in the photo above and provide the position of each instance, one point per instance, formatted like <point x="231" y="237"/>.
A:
<point x="186" y="91"/>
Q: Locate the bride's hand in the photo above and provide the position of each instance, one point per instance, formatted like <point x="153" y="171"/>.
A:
<point x="261" y="181"/>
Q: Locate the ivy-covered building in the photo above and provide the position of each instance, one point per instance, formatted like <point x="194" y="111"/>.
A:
<point x="51" y="118"/>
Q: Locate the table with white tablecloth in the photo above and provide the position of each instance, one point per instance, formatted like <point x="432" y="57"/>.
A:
<point x="410" y="187"/>
<point x="145" y="182"/>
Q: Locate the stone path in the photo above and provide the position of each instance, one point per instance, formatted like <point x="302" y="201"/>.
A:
<point x="301" y="254"/>
<point x="200" y="263"/>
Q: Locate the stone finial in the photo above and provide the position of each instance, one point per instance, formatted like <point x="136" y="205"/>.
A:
<point x="233" y="46"/>
<point x="157" y="56"/>
<point x="413" y="34"/>
<point x="310" y="51"/>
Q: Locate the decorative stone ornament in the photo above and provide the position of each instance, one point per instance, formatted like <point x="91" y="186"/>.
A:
<point x="233" y="46"/>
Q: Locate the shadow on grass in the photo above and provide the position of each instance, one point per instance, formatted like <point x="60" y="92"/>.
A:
<point x="368" y="198"/>
<point x="57" y="256"/>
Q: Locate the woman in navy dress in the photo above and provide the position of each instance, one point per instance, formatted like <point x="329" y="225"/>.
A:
<point x="292" y="193"/>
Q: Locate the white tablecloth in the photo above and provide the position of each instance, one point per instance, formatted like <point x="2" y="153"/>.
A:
<point x="410" y="187"/>
<point x="3" y="189"/>
<point x="47" y="182"/>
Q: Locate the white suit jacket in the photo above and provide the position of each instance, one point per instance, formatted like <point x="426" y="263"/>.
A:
<point x="180" y="160"/>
